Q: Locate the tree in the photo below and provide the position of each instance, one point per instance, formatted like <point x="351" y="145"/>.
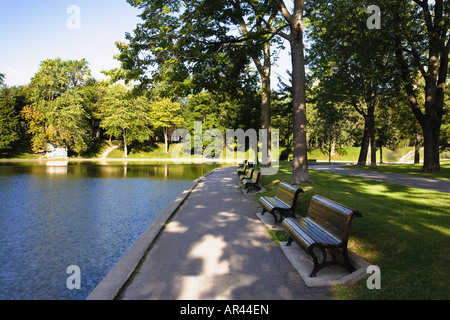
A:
<point x="344" y="67"/>
<point x="295" y="24"/>
<point x="91" y="94"/>
<point x="166" y="114"/>
<point x="193" y="36"/>
<point x="57" y="113"/>
<point x="126" y="116"/>
<point x="35" y="126"/>
<point x="9" y="119"/>
<point x="67" y="121"/>
<point x="421" y="38"/>
<point x="2" y="79"/>
<point x="56" y="76"/>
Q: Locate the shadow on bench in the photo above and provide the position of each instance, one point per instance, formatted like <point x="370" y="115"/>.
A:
<point x="326" y="227"/>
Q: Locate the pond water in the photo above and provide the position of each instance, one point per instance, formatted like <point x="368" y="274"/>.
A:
<point x="58" y="214"/>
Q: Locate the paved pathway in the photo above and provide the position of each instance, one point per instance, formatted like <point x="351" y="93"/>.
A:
<point x="216" y="248"/>
<point x="397" y="178"/>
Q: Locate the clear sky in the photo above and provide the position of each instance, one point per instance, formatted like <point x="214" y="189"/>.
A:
<point x="36" y="30"/>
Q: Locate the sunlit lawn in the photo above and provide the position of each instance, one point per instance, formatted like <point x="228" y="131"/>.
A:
<point x="405" y="231"/>
<point x="414" y="169"/>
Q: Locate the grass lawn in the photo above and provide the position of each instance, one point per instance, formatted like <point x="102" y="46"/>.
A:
<point x="405" y="231"/>
<point x="414" y="169"/>
<point x="153" y="152"/>
<point x="352" y="154"/>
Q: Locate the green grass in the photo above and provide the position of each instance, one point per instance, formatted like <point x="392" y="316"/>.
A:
<point x="150" y="152"/>
<point x="414" y="169"/>
<point x="352" y="154"/>
<point x="405" y="231"/>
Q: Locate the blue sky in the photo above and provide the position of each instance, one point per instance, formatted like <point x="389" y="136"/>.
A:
<point x="36" y="30"/>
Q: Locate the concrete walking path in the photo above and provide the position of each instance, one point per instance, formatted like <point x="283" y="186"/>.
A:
<point x="439" y="185"/>
<point x="214" y="248"/>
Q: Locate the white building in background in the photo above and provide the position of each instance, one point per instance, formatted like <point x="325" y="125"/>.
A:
<point x="56" y="152"/>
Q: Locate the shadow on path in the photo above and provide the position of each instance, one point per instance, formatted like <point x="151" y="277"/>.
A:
<point x="216" y="248"/>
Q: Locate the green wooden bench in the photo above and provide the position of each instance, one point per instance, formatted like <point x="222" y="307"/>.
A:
<point x="244" y="170"/>
<point x="251" y="182"/>
<point x="326" y="227"/>
<point x="243" y="163"/>
<point x="283" y="204"/>
<point x="246" y="175"/>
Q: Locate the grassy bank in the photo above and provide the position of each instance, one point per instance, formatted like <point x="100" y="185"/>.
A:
<point x="156" y="151"/>
<point x="405" y="231"/>
<point x="414" y="169"/>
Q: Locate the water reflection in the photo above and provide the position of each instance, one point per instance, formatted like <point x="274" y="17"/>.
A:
<point x="85" y="214"/>
<point x="104" y="169"/>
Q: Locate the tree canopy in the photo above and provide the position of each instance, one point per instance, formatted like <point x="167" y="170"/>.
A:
<point x="378" y="81"/>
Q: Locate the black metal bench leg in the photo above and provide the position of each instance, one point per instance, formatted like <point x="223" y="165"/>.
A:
<point x="288" y="244"/>
<point x="347" y="265"/>
<point x="316" y="265"/>
<point x="276" y="220"/>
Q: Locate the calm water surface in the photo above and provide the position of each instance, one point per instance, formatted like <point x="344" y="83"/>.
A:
<point x="53" y="215"/>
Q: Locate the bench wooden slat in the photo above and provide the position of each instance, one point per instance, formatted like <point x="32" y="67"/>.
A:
<point x="274" y="202"/>
<point x="332" y="215"/>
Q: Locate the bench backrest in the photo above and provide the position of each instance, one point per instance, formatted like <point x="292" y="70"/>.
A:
<point x="288" y="193"/>
<point x="332" y="216"/>
<point x="249" y="172"/>
<point x="255" y="175"/>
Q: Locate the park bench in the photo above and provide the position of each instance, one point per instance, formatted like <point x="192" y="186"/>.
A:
<point x="251" y="182"/>
<point x="284" y="202"/>
<point x="246" y="175"/>
<point x="243" y="170"/>
<point x="243" y="163"/>
<point x="326" y="227"/>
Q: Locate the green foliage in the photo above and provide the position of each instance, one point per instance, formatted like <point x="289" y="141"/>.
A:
<point x="166" y="114"/>
<point x="66" y="121"/>
<point x="9" y="119"/>
<point x="56" y="76"/>
<point x="126" y="116"/>
<point x="57" y="114"/>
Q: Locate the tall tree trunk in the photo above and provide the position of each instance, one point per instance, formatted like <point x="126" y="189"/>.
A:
<point x="300" y="156"/>
<point x="264" y="70"/>
<point x="371" y="120"/>
<point x="381" y="154"/>
<point x="125" y="148"/>
<point x="364" y="145"/>
<point x="431" y="161"/>
<point x="265" y="103"/>
<point x="166" y="144"/>
<point x="300" y="153"/>
<point x="417" y="148"/>
<point x="373" y="150"/>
